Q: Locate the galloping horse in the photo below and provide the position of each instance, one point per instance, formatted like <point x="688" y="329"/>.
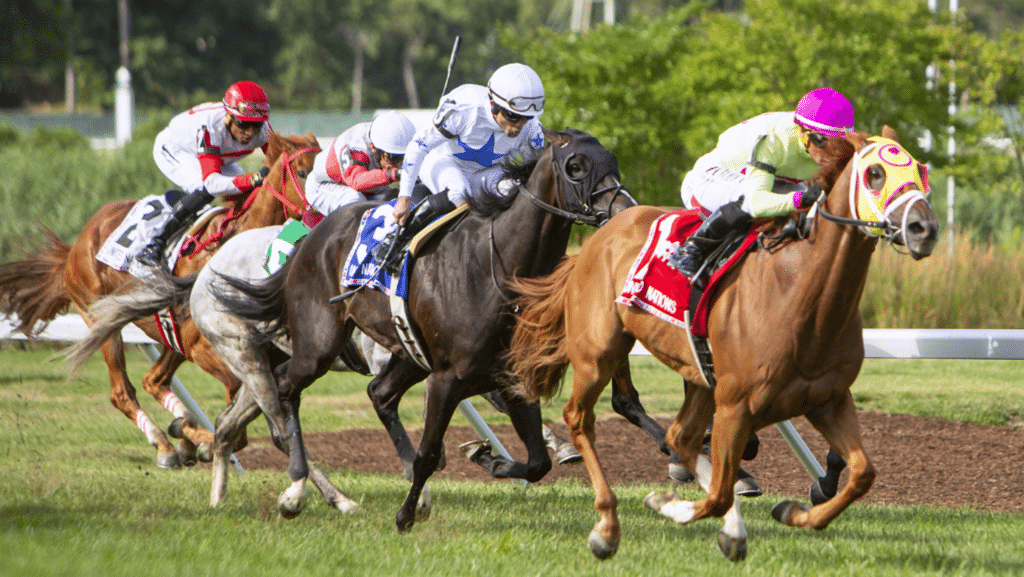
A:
<point x="456" y="302"/>
<point x="785" y="332"/>
<point x="45" y="283"/>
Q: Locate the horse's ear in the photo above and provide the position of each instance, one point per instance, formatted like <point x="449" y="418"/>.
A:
<point x="312" y="139"/>
<point x="556" y="138"/>
<point x="889" y="133"/>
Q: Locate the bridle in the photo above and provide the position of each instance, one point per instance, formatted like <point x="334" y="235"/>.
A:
<point x="289" y="171"/>
<point x="883" y="226"/>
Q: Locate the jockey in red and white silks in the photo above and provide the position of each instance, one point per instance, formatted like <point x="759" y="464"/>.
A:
<point x="196" y="150"/>
<point x="361" y="164"/>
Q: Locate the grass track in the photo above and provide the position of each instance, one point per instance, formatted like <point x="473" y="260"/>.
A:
<point x="80" y="495"/>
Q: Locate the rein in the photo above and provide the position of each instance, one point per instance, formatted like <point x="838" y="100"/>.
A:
<point x="289" y="170"/>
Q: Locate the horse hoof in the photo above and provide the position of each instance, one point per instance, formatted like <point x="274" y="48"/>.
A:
<point x="734" y="549"/>
<point x="205" y="452"/>
<point x="423" y="505"/>
<point x="292" y="502"/>
<point x="346" y="505"/>
<point x="817" y="495"/>
<point x="177" y="428"/>
<point x="747" y="487"/>
<point x="168" y="461"/>
<point x="599" y="547"/>
<point x="474" y="449"/>
<point x="679" y="473"/>
<point x="187" y="453"/>
<point x="655" y="500"/>
<point x="784" y="511"/>
<point x="403" y="523"/>
<point x="568" y="455"/>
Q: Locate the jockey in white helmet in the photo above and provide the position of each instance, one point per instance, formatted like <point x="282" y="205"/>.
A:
<point x="757" y="168"/>
<point x="361" y="164"/>
<point x="474" y="129"/>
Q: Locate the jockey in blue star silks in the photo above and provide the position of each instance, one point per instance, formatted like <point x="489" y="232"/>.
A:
<point x="460" y="154"/>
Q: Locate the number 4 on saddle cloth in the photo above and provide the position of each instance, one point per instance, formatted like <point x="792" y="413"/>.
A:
<point x="658" y="288"/>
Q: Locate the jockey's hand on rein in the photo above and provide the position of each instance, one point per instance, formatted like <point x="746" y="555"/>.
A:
<point x="257" y="178"/>
<point x="810" y="195"/>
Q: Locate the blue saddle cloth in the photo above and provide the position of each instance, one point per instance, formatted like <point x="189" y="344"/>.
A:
<point x="359" y="266"/>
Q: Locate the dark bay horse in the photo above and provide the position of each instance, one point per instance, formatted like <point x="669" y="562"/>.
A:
<point x="47" y="282"/>
<point x="785" y="332"/>
<point x="457" y="304"/>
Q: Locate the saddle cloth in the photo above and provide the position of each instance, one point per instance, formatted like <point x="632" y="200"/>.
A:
<point x="142" y="223"/>
<point x="376" y="223"/>
<point x="658" y="288"/>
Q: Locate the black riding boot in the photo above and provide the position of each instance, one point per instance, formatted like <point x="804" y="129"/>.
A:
<point x="434" y="206"/>
<point x="688" y="258"/>
<point x="184" y="211"/>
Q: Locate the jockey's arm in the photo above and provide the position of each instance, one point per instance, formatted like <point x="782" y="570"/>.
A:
<point x="759" y="181"/>
<point x="219" y="184"/>
<point x="425" y="140"/>
<point x="360" y="176"/>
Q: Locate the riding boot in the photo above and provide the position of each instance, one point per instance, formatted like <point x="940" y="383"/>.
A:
<point x="690" y="255"/>
<point x="425" y="212"/>
<point x="184" y="211"/>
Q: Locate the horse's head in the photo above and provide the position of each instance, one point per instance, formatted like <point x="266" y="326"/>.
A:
<point x="289" y="160"/>
<point x="587" y="177"/>
<point x="884" y="191"/>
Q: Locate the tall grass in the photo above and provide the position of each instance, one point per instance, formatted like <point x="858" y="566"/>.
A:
<point x="972" y="286"/>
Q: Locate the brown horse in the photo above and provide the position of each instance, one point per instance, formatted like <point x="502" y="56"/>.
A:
<point x="44" y="284"/>
<point x="785" y="331"/>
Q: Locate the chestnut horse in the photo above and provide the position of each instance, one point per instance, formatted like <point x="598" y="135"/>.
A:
<point x="47" y="282"/>
<point x="785" y="331"/>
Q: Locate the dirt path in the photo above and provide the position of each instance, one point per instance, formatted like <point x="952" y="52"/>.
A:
<point x="926" y="461"/>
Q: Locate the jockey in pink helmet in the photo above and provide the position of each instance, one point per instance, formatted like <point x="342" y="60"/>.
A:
<point x="199" y="151"/>
<point x="758" y="169"/>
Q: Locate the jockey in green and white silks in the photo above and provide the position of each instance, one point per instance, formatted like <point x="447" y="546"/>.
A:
<point x="756" y="170"/>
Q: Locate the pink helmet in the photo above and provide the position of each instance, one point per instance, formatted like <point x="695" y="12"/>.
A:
<point x="247" y="102"/>
<point x="825" y="111"/>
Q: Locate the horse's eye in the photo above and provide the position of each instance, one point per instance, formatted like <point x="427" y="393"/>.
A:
<point x="876" y="177"/>
<point x="302" y="174"/>
<point x="577" y="167"/>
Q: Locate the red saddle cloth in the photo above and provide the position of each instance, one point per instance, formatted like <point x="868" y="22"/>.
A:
<point x="654" y="286"/>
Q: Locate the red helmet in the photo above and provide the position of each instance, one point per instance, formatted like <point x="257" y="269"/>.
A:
<point x="247" y="102"/>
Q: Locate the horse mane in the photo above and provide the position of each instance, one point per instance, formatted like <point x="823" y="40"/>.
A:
<point x="838" y="152"/>
<point x="493" y="202"/>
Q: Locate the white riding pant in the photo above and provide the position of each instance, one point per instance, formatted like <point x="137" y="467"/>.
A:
<point x="708" y="187"/>
<point x="183" y="168"/>
<point x="441" y="172"/>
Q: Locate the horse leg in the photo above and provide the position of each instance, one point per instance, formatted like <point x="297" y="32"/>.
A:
<point x="729" y="437"/>
<point x="826" y="486"/>
<point x="839" y="425"/>
<point x="233" y="419"/>
<point x="564" y="452"/>
<point x="589" y="379"/>
<point x="527" y="421"/>
<point x="183" y="427"/>
<point x="626" y="402"/>
<point x="122" y="396"/>
<point x="386" y="391"/>
<point x="206" y="357"/>
<point x="442" y="401"/>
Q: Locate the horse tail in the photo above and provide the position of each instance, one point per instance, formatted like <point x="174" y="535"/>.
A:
<point x="33" y="288"/>
<point x="110" y="314"/>
<point x="261" y="300"/>
<point x="538" y="356"/>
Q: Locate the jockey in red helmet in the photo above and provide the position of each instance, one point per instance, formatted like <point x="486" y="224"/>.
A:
<point x="199" y="151"/>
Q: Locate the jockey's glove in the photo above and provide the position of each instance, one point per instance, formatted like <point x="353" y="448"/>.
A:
<point x="809" y="196"/>
<point x="257" y="178"/>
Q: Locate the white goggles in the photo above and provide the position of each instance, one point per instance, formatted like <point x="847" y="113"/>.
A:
<point x="523" y="104"/>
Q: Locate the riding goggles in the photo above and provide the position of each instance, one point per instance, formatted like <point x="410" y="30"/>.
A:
<point x="249" y="124"/>
<point x="513" y="117"/>
<point x="523" y="104"/>
<point x="808" y="137"/>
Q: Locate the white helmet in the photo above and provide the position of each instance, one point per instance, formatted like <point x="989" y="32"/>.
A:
<point x="391" y="132"/>
<point x="516" y="87"/>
